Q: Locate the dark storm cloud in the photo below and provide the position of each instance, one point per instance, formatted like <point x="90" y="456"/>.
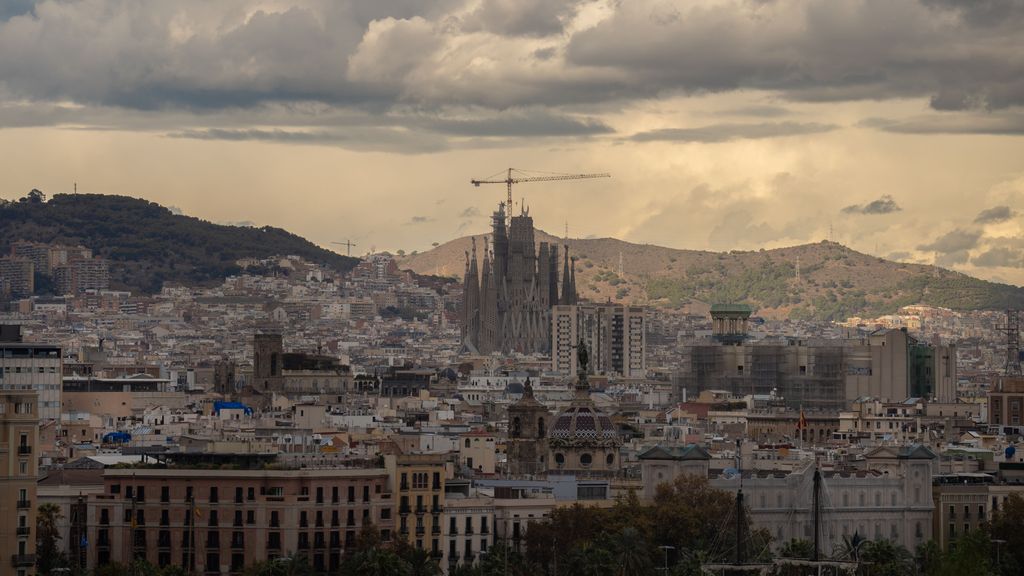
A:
<point x="1007" y="123"/>
<point x="999" y="256"/>
<point x="953" y="241"/>
<point x="728" y="132"/>
<point x="520" y="17"/>
<point x="373" y="58"/>
<point x="371" y="139"/>
<point x="884" y="205"/>
<point x="995" y="215"/>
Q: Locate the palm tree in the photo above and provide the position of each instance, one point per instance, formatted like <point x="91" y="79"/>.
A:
<point x="49" y="554"/>
<point x="631" y="553"/>
<point x="850" y="547"/>
<point x="887" y="559"/>
<point x="421" y="563"/>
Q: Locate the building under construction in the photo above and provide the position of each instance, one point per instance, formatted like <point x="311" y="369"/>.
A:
<point x="507" y="298"/>
<point x="820" y="374"/>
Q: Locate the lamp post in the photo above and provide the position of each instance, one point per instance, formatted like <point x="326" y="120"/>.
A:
<point x="666" y="549"/>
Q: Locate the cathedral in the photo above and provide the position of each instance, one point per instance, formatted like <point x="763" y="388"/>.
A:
<point x="507" y="298"/>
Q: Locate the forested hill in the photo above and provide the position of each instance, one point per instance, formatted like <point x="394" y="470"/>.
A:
<point x="146" y="243"/>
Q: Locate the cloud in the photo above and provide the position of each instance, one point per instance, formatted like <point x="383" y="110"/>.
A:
<point x="899" y="256"/>
<point x="995" y="215"/>
<point x="999" y="256"/>
<point x="470" y="212"/>
<point x="953" y="241"/>
<point x="995" y="123"/>
<point x="952" y="258"/>
<point x="419" y="220"/>
<point x="198" y="55"/>
<point x="884" y="205"/>
<point x="728" y="132"/>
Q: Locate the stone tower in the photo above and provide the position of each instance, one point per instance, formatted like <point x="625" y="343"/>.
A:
<point x="267" y="362"/>
<point x="528" y="423"/>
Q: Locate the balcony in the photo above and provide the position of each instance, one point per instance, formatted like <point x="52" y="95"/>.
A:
<point x="23" y="560"/>
<point x="403" y="509"/>
<point x="24" y="450"/>
<point x="238" y="544"/>
<point x="24" y="530"/>
<point x="421" y="510"/>
<point x="24" y="504"/>
<point x="435" y="509"/>
<point x="420" y="530"/>
<point x="435" y="529"/>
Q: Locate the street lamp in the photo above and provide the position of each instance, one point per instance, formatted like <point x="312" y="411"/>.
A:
<point x="666" y="549"/>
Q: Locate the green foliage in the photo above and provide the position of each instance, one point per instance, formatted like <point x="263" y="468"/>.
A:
<point x="1008" y="528"/>
<point x="797" y="548"/>
<point x="686" y="515"/>
<point x="147" y="244"/>
<point x="48" y="550"/>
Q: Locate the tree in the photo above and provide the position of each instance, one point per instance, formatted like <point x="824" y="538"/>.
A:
<point x="632" y="553"/>
<point x="376" y="562"/>
<point x="48" y="552"/>
<point x="35" y="196"/>
<point x="883" y="558"/>
<point x="1006" y="528"/>
<point x="797" y="548"/>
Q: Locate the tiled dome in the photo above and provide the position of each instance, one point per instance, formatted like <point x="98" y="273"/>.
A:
<point x="583" y="423"/>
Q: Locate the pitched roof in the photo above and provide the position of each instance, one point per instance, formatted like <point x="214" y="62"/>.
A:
<point x="688" y="452"/>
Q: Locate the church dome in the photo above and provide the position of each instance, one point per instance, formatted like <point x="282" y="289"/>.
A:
<point x="582" y="424"/>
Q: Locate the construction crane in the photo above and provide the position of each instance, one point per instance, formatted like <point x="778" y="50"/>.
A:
<point x="348" y="244"/>
<point x="521" y="176"/>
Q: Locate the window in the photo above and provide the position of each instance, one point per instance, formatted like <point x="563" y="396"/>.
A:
<point x="238" y="495"/>
<point x="586" y="459"/>
<point x="213" y="495"/>
<point x="165" y="494"/>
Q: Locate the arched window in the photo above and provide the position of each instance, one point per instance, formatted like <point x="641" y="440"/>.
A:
<point x="540" y="427"/>
<point x="517" y="427"/>
<point x="610" y="459"/>
<point x="559" y="458"/>
<point x="467" y="442"/>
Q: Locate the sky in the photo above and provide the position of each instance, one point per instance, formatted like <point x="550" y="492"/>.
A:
<point x="895" y="127"/>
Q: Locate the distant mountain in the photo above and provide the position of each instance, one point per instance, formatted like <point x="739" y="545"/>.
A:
<point x="834" y="281"/>
<point x="148" y="244"/>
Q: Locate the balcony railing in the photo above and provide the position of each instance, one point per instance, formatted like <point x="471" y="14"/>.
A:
<point x="24" y="530"/>
<point x="24" y="504"/>
<point x="24" y="449"/>
<point x="22" y="560"/>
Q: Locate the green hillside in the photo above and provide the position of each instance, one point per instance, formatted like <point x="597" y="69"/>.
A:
<point x="834" y="282"/>
<point x="146" y="243"/>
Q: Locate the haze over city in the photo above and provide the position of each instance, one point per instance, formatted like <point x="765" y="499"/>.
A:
<point x="726" y="124"/>
<point x="511" y="287"/>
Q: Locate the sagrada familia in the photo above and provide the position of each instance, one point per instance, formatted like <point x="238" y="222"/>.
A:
<point x="507" y="307"/>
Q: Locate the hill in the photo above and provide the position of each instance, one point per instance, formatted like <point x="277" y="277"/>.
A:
<point x="146" y="243"/>
<point x="834" y="282"/>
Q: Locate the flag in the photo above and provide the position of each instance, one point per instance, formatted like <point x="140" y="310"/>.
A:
<point x="198" y="513"/>
<point x="801" y="424"/>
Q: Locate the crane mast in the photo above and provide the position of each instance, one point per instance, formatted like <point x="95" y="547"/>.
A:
<point x="511" y="179"/>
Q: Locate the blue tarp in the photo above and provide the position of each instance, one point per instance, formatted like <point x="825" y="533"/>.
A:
<point x="117" y="437"/>
<point x="222" y="405"/>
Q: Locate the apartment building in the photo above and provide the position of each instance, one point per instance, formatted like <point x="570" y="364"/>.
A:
<point x="36" y="367"/>
<point x="419" y="481"/>
<point x="220" y="521"/>
<point x="19" y="438"/>
<point x="615" y="336"/>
